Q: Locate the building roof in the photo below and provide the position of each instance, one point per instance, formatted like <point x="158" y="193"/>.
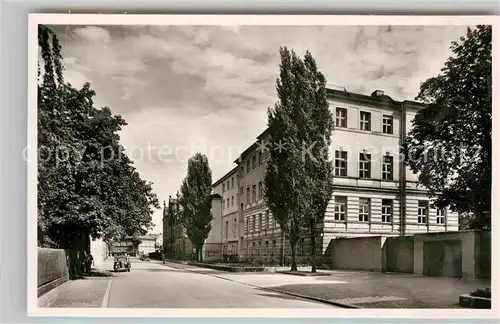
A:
<point x="224" y="177"/>
<point x="377" y="98"/>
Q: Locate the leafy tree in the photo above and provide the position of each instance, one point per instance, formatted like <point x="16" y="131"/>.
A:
<point x="86" y="183"/>
<point x="450" y="143"/>
<point x="196" y="201"/>
<point x="317" y="129"/>
<point x="285" y="176"/>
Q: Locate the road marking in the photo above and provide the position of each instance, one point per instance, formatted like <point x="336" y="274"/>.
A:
<point x="365" y="300"/>
<point x="105" y="300"/>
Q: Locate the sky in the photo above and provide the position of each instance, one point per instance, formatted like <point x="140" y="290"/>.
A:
<point x="188" y="89"/>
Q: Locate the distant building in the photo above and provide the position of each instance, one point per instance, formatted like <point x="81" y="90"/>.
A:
<point x="148" y="243"/>
<point x="375" y="193"/>
<point x="176" y="244"/>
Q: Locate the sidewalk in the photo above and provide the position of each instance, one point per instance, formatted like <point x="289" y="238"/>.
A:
<point x="90" y="291"/>
<point x="368" y="289"/>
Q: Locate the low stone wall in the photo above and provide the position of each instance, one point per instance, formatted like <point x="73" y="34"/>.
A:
<point x="228" y="268"/>
<point x="53" y="269"/>
<point x="363" y="253"/>
<point x="461" y="254"/>
<point x="400" y="254"/>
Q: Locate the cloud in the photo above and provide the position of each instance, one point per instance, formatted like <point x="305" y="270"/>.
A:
<point x="207" y="88"/>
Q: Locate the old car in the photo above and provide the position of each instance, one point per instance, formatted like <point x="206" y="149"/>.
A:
<point x="122" y="263"/>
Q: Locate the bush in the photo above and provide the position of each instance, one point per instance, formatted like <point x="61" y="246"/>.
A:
<point x="485" y="293"/>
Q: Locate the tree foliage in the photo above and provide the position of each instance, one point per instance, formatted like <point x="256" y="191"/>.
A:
<point x="450" y="143"/>
<point x="86" y="183"/>
<point x="317" y="130"/>
<point x="196" y="201"/>
<point x="298" y="177"/>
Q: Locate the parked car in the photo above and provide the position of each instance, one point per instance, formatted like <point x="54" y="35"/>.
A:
<point x="122" y="263"/>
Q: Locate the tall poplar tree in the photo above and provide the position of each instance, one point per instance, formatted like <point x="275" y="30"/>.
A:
<point x="196" y="201"/>
<point x="317" y="130"/>
<point x="285" y="176"/>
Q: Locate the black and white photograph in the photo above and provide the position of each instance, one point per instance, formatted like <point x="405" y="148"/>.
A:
<point x="272" y="165"/>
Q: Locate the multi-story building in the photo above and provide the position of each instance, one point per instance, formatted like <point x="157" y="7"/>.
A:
<point x="176" y="244"/>
<point x="226" y="188"/>
<point x="374" y="192"/>
<point x="147" y="243"/>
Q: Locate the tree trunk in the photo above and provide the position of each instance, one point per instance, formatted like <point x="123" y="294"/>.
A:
<point x="313" y="251"/>
<point x="294" y="262"/>
<point x="200" y="253"/>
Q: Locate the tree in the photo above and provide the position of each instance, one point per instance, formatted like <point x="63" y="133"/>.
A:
<point x="285" y="176"/>
<point x="450" y="143"/>
<point x="87" y="185"/>
<point x="196" y="201"/>
<point x="317" y="130"/>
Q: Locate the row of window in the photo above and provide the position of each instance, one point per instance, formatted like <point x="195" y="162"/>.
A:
<point x="259" y="223"/>
<point x="255" y="195"/>
<point x="229" y="185"/>
<point x="365" y="165"/>
<point x="268" y="249"/>
<point x="254" y="161"/>
<point x="365" y="120"/>
<point x="364" y="211"/>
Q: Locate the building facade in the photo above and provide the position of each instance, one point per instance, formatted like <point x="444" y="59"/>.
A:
<point x="147" y="243"/>
<point x="176" y="244"/>
<point x="226" y="190"/>
<point x="374" y="192"/>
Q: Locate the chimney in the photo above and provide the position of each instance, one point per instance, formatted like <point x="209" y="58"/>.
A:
<point x="377" y="93"/>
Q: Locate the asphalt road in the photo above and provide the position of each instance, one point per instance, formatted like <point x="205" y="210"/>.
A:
<point x="154" y="285"/>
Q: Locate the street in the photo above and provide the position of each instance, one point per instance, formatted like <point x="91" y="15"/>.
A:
<point x="154" y="285"/>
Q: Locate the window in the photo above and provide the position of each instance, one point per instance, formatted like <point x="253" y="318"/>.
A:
<point x="387" y="124"/>
<point x="242" y="172"/>
<point x="260" y="190"/>
<point x="227" y="228"/>
<point x="387" y="167"/>
<point x="441" y="215"/>
<point x="223" y="187"/>
<point x="241" y="206"/>
<point x="340" y="208"/>
<point x="364" y="209"/>
<point x="234" y="227"/>
<point x="386" y="210"/>
<point x="267" y="220"/>
<point x="232" y="182"/>
<point x="364" y="165"/>
<point x="260" y="157"/>
<point x="227" y="202"/>
<point x="248" y="166"/>
<point x="253" y="223"/>
<point x="273" y="249"/>
<point x="232" y="201"/>
<point x="341" y="163"/>
<point x="254" y="193"/>
<point x="423" y="208"/>
<point x="365" y="121"/>
<point x="267" y="247"/>
<point x="247" y="228"/>
<point x="341" y="117"/>
<point x="228" y="185"/>
<point x="260" y="222"/>
<point x="241" y="190"/>
<point x="254" y="162"/>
